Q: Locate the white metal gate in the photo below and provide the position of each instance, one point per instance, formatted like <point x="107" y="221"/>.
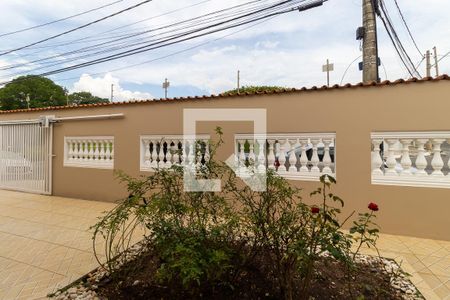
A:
<point x="26" y="156"/>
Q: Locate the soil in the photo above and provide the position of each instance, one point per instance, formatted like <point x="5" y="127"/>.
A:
<point x="137" y="280"/>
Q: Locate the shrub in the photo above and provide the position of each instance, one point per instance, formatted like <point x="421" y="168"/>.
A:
<point x="210" y="238"/>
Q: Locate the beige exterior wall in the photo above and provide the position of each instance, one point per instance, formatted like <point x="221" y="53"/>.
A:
<point x="353" y="113"/>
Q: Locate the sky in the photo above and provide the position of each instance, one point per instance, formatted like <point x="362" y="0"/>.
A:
<point x="288" y="50"/>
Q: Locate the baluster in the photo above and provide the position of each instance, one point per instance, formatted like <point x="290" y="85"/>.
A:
<point x="391" y="162"/>
<point x="406" y="159"/>
<point x="199" y="154"/>
<point x="111" y="150"/>
<point x="261" y="155"/>
<point x="70" y="151"/>
<point x="102" y="151"/>
<point x="421" y="161"/>
<point x="107" y="156"/>
<point x="85" y="150"/>
<point x="147" y="154"/>
<point x="377" y="161"/>
<point x="315" y="157"/>
<point x="251" y="155"/>
<point x="74" y="146"/>
<point x="80" y="150"/>
<point x="437" y="163"/>
<point x="169" y="154"/>
<point x="326" y="157"/>
<point x="282" y="157"/>
<point x="154" y="155"/>
<point x="90" y="150"/>
<point x="242" y="153"/>
<point x="293" y="157"/>
<point x="271" y="156"/>
<point x="207" y="155"/>
<point x="191" y="156"/>
<point x="304" y="156"/>
<point x="175" y="152"/>
<point x="96" y="153"/>
<point x="161" y="154"/>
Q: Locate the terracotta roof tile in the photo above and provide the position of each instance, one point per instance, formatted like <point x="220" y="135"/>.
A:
<point x="282" y="91"/>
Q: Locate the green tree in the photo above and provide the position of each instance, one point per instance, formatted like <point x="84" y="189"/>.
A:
<point x="254" y="89"/>
<point x="41" y="92"/>
<point x="85" y="98"/>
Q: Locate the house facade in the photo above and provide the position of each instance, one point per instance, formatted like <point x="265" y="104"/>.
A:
<point x="387" y="143"/>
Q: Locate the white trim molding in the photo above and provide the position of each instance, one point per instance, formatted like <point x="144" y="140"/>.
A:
<point x="414" y="159"/>
<point x="95" y="152"/>
<point x="294" y="156"/>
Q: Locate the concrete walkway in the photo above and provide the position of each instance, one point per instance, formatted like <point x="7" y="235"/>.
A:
<point x="45" y="245"/>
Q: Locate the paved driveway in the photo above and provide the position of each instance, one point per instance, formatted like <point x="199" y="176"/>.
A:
<point x="44" y="242"/>
<point x="44" y="245"/>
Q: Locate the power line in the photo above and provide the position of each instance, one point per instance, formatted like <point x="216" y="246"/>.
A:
<point x="400" y="49"/>
<point x="176" y="52"/>
<point x="407" y="27"/>
<point x="171" y="41"/>
<point x="185" y="24"/>
<point x="348" y="67"/>
<point x="266" y="12"/>
<point x="60" y="20"/>
<point x="77" y="28"/>
<point x="198" y="21"/>
<point x="87" y="38"/>
<point x="443" y="56"/>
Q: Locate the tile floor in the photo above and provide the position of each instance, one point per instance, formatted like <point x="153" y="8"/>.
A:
<point x="45" y="244"/>
<point x="428" y="261"/>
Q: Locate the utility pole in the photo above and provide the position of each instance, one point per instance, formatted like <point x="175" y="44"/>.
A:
<point x="328" y="68"/>
<point x="427" y="57"/>
<point x="370" y="43"/>
<point x="436" y="61"/>
<point x="112" y="92"/>
<point x="238" y="80"/>
<point x="165" y="86"/>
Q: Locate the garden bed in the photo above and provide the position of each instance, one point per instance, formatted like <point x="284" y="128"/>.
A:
<point x="135" y="278"/>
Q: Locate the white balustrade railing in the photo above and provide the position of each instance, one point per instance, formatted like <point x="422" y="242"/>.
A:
<point x="411" y="158"/>
<point x="163" y="151"/>
<point x="89" y="152"/>
<point x="301" y="156"/>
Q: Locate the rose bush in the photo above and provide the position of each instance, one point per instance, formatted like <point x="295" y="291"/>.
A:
<point x="215" y="238"/>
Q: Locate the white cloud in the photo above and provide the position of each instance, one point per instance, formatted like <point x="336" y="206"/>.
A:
<point x="288" y="50"/>
<point x="101" y="87"/>
<point x="267" y="44"/>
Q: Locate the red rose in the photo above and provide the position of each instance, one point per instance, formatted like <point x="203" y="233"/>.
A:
<point x="315" y="210"/>
<point x="373" y="206"/>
